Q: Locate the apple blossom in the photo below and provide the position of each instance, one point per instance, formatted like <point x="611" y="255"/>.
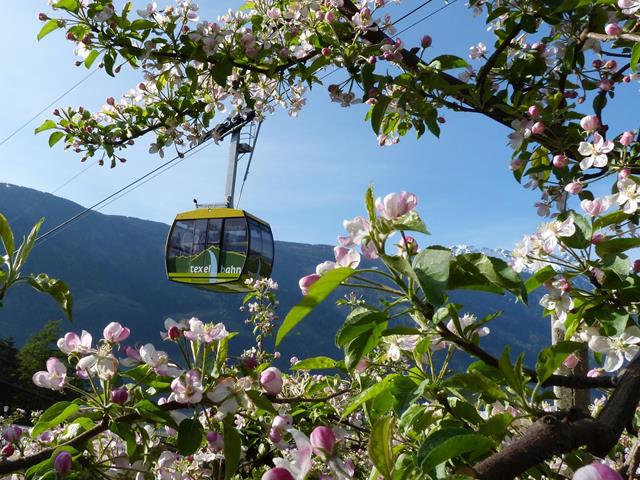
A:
<point x="323" y="441"/>
<point x="12" y="433"/>
<point x="466" y="321"/>
<point x="477" y="51"/>
<point x="63" y="463"/>
<point x="595" y="152"/>
<point x="7" y="450"/>
<point x="101" y="363"/>
<point x="215" y="441"/>
<point x="627" y="138"/>
<point x="206" y="333"/>
<point x="590" y="123"/>
<point x="119" y="396"/>
<point x="571" y="361"/>
<point x="522" y="131"/>
<point x="300" y="462"/>
<point x="560" y="161"/>
<point x="613" y="29"/>
<point x="574" y="187"/>
<point x="399" y="343"/>
<point x="305" y="282"/>
<point x="596" y="471"/>
<point x="629" y="7"/>
<point x="115" y="333"/>
<point x="395" y="205"/>
<point x="628" y="195"/>
<point x="55" y="376"/>
<point x="407" y="246"/>
<point x="357" y="228"/>
<point x="557" y="300"/>
<point x="158" y="360"/>
<point x="277" y="473"/>
<point x="617" y="348"/>
<point x="72" y="343"/>
<point x="537" y="128"/>
<point x="187" y="388"/>
<point x="271" y="380"/>
<point x="551" y="231"/>
<point x="346" y="257"/>
<point x="595" y="207"/>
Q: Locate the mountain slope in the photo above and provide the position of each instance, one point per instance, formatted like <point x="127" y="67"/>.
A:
<point x="114" y="266"/>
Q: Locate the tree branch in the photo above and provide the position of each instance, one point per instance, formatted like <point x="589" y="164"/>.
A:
<point x="562" y="433"/>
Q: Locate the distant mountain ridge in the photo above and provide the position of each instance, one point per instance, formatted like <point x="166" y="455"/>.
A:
<point x="114" y="266"/>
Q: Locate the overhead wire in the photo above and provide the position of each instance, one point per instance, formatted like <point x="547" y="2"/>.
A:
<point x="161" y="169"/>
<point x="424" y="4"/>
<point x="49" y="105"/>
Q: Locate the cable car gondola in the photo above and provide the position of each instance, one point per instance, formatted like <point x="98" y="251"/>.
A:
<point x="217" y="247"/>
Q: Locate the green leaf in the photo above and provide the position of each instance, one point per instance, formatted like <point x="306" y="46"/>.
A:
<point x="25" y="249"/>
<point x="477" y="271"/>
<point x="448" y="62"/>
<point x="69" y="5"/>
<point x="55" y="137"/>
<point x="190" y="435"/>
<point x="410" y="222"/>
<point x="506" y="367"/>
<point x="617" y="245"/>
<point x="54" y="416"/>
<point x="377" y="113"/>
<point x="456" y="446"/>
<point x="635" y="56"/>
<point x="432" y="269"/>
<point x="47" y="28"/>
<point x="232" y="448"/>
<point x="582" y="236"/>
<point x="476" y="382"/>
<point x="91" y="58"/>
<point x="126" y="433"/>
<point x="360" y="333"/>
<point x="370" y="203"/>
<point x="613" y="322"/>
<point x="380" y="446"/>
<point x="7" y="236"/>
<point x="261" y="401"/>
<point x="221" y="70"/>
<point x="368" y="394"/>
<point x="57" y="289"/>
<point x="149" y="410"/>
<point x="315" y="363"/>
<point x="550" y="359"/>
<point x="318" y="292"/>
<point x="537" y="279"/>
<point x="496" y="427"/>
<point x="610" y="218"/>
<point x="47" y="125"/>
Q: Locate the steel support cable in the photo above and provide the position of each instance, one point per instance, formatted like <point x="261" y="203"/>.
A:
<point x="222" y="130"/>
<point x="408" y="14"/>
<point x="51" y="104"/>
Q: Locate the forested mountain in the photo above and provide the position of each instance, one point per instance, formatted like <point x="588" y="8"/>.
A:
<point x="114" y="266"/>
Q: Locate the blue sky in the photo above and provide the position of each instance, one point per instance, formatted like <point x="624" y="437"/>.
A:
<point x="308" y="173"/>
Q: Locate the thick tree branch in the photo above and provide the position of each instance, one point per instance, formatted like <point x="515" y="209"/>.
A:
<point x="556" y="435"/>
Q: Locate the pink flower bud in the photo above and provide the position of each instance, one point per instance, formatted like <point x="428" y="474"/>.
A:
<point x="115" y="333"/>
<point x="119" y="396"/>
<point x="626" y="138"/>
<point x="571" y="361"/>
<point x="605" y="85"/>
<point x="560" y="161"/>
<point x="538" y="128"/>
<point x="330" y="17"/>
<point x="597" y="238"/>
<point x="215" y="441"/>
<point x="597" y="64"/>
<point x="282" y="422"/>
<point x="624" y="173"/>
<point x="12" y="433"/>
<point x="372" y="60"/>
<point x="626" y="79"/>
<point x="70" y="36"/>
<point x="611" y="65"/>
<point x="539" y="47"/>
<point x="362" y="365"/>
<point x="590" y="123"/>
<point x="294" y="360"/>
<point x="63" y="462"/>
<point x="595" y="372"/>
<point x="426" y="41"/>
<point x="596" y="471"/>
<point x="442" y="120"/>
<point x="7" y="450"/>
<point x="43" y="17"/>
<point x="271" y="380"/>
<point x="275" y="435"/>
<point x="174" y="332"/>
<point x="395" y="205"/>
<point x="306" y="282"/>
<point x="277" y="473"/>
<point x="573" y="188"/>
<point x="613" y="29"/>
<point x="534" y="111"/>
<point x="323" y="440"/>
<point x="111" y="101"/>
<point x="250" y="362"/>
<point x="132" y="353"/>
<point x="326" y="51"/>
<point x="636" y="266"/>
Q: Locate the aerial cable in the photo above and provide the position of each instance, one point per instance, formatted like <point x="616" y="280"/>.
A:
<point x="246" y="172"/>
<point x="51" y="104"/>
<point x="424" y="4"/>
<point x="427" y="16"/>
